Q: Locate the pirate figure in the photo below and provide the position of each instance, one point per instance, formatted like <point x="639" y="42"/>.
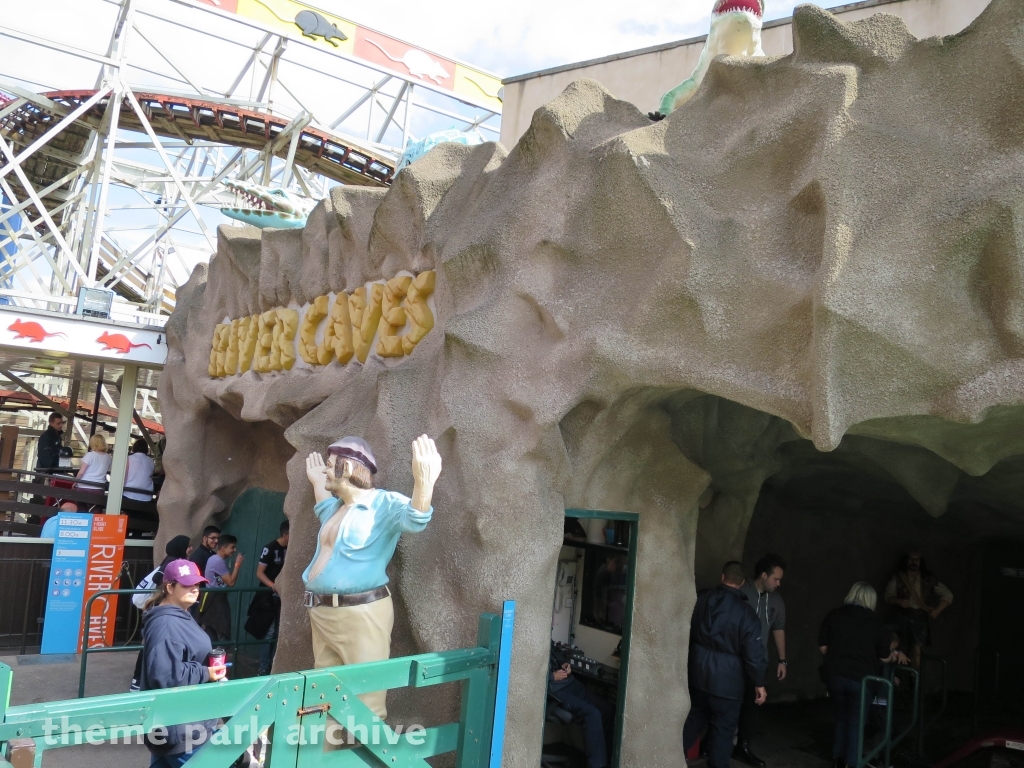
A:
<point x="350" y="608"/>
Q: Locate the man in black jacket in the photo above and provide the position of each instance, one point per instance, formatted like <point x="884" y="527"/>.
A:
<point x="48" y="449"/>
<point x="725" y="646"/>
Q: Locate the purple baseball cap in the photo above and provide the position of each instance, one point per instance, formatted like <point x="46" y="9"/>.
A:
<point x="184" y="572"/>
<point x="354" y="448"/>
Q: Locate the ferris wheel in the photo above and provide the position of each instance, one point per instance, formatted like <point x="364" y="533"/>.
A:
<point x="119" y="159"/>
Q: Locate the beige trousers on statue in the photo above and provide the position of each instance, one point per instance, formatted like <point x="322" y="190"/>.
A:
<point x="353" y="635"/>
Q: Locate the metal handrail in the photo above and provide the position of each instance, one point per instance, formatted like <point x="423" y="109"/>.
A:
<point x="234" y="644"/>
<point x="50" y="475"/>
<point x="889" y="742"/>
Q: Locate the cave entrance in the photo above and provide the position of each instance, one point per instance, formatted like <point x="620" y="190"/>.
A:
<point x="851" y="515"/>
<point x="255" y="520"/>
<point x="590" y="629"/>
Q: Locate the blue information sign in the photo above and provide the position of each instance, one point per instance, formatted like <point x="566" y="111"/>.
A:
<point x="66" y="588"/>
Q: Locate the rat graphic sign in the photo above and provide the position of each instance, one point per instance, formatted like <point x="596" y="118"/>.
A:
<point x="43" y="333"/>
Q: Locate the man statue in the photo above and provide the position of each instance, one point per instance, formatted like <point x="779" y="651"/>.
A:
<point x="350" y="608"/>
<point x="917" y="596"/>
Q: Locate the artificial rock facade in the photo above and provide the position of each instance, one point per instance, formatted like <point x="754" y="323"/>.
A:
<point x="831" y="239"/>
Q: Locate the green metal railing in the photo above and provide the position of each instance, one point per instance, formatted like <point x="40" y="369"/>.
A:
<point x="925" y="722"/>
<point x="232" y="644"/>
<point x="295" y="708"/>
<point x="888" y="742"/>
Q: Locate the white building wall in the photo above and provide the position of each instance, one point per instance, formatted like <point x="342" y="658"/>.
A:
<point x="643" y="76"/>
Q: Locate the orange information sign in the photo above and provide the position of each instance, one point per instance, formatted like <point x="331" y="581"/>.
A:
<point x="106" y="551"/>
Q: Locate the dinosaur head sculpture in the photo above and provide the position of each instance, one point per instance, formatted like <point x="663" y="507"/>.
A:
<point x="267" y="206"/>
<point x="735" y="31"/>
<point x="753" y="7"/>
<point x="738" y="26"/>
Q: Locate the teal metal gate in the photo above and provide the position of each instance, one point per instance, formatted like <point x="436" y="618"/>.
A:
<point x="297" y="708"/>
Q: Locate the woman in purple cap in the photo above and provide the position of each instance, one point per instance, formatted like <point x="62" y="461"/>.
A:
<point x="175" y="654"/>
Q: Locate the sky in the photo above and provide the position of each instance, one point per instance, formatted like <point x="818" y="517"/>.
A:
<point x="519" y="36"/>
<point x="507" y="38"/>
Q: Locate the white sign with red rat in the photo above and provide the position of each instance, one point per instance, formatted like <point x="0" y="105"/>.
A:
<point x="82" y="338"/>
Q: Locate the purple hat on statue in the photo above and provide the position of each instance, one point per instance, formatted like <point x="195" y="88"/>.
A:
<point x="354" y="448"/>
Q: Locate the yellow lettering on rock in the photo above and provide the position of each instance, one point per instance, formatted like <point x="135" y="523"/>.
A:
<point x="339" y="343"/>
<point x="287" y="325"/>
<point x="365" y="313"/>
<point x="271" y="341"/>
<point x="307" y="333"/>
<point x="231" y="358"/>
<point x="263" y="357"/>
<point x="393" y="316"/>
<point x="421" y="319"/>
<point x="216" y="366"/>
<point x="220" y="345"/>
<point x="248" y="328"/>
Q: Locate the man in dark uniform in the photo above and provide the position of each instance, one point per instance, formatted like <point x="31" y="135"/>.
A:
<point x="725" y="647"/>
<point x="48" y="449"/>
<point x="595" y="714"/>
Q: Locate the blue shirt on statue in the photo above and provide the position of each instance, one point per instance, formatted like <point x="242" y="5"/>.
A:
<point x="365" y="542"/>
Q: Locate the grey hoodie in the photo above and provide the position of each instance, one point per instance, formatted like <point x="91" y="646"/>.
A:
<point x="175" y="654"/>
<point x="768" y="606"/>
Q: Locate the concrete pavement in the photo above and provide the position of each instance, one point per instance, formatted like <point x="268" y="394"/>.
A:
<point x="39" y="679"/>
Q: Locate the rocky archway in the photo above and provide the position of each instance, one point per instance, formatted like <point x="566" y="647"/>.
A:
<point x="825" y="238"/>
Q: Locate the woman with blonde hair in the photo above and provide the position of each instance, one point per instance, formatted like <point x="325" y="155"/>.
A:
<point x="855" y="644"/>
<point x="93" y="472"/>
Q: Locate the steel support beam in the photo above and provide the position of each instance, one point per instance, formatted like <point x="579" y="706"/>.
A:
<point x="14" y="378"/>
<point x="122" y="437"/>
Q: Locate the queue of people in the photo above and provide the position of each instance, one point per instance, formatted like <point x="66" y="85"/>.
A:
<point x="141" y="474"/>
<point x="728" y="658"/>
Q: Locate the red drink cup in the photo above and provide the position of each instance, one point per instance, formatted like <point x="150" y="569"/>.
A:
<point x="217" y="658"/>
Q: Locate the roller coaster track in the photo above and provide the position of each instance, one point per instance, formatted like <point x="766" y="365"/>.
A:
<point x="118" y="186"/>
<point x="188" y="119"/>
<point x="56" y="168"/>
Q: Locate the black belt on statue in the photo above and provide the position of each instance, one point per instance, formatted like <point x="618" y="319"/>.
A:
<point x="311" y="600"/>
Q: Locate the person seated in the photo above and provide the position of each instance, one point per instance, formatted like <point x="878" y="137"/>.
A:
<point x="595" y="714"/>
<point x="139" y="477"/>
<point x="94" y="469"/>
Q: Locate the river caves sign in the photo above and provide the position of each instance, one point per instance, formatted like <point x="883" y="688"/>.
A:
<point x="396" y="314"/>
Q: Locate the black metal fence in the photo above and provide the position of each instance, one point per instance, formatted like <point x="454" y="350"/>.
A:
<point x="37" y="496"/>
<point x="24" y="576"/>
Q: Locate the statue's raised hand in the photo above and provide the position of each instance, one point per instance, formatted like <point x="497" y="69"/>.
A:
<point x="426" y="462"/>
<point x="316" y="473"/>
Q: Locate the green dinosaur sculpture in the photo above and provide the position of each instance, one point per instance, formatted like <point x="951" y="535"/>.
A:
<point x="268" y="207"/>
<point x="735" y="31"/>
